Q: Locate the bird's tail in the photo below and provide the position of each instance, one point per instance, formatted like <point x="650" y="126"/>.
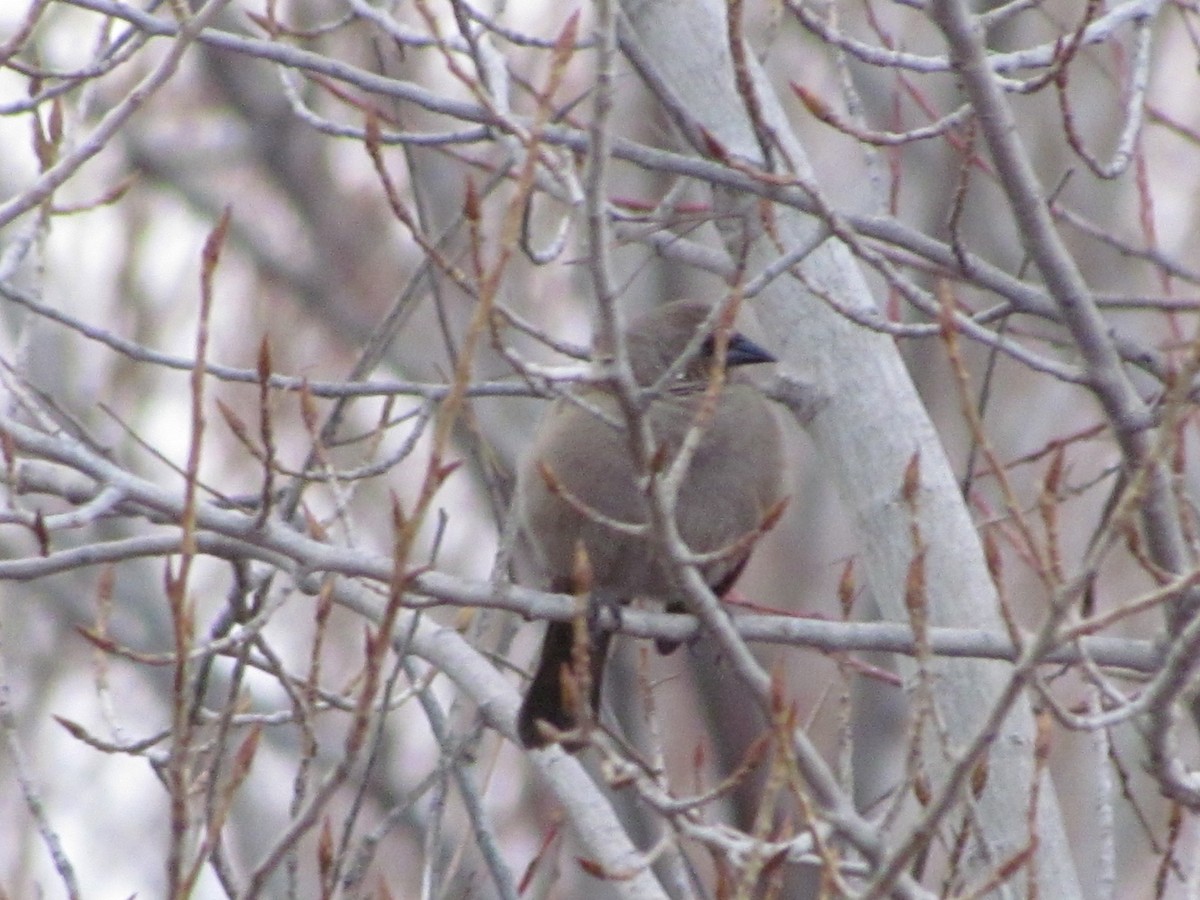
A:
<point x="555" y="695"/>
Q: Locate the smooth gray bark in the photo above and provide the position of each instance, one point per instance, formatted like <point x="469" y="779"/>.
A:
<point x="867" y="432"/>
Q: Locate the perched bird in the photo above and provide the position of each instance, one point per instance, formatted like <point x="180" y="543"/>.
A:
<point x="581" y="462"/>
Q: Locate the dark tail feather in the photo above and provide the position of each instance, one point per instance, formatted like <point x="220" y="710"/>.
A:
<point x="549" y="698"/>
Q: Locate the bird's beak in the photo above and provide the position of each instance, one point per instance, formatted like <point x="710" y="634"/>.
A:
<point x="744" y="352"/>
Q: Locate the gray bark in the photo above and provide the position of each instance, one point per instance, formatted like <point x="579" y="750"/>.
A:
<point x="867" y="432"/>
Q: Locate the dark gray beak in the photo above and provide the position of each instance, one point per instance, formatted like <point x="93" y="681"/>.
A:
<point x="744" y="352"/>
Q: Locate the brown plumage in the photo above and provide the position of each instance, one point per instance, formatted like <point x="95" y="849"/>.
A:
<point x="733" y="481"/>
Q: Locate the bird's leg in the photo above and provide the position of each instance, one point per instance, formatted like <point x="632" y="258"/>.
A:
<point x="666" y="646"/>
<point x="603" y="613"/>
<point x="722" y="587"/>
<point x="603" y="619"/>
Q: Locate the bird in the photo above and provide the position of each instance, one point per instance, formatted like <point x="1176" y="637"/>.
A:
<point x="579" y="472"/>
